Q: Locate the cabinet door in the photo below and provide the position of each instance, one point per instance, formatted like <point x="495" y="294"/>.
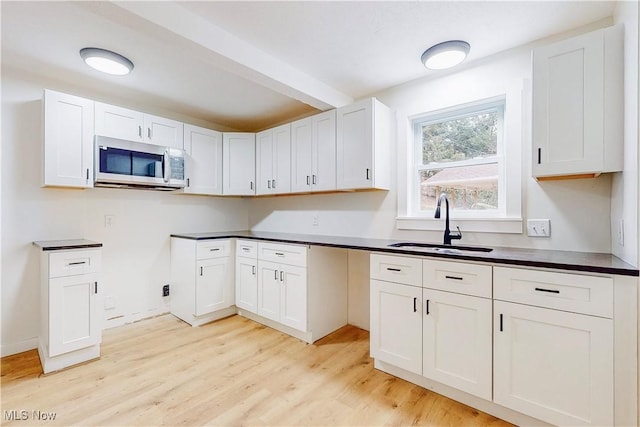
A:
<point x="354" y="145"/>
<point x="281" y="176"/>
<point x="293" y="301"/>
<point x="204" y="160"/>
<point x="301" y="155"/>
<point x="68" y="140"/>
<point x="163" y="132"/>
<point x="457" y="342"/>
<point x="396" y="325"/>
<point x="74" y="319"/>
<point x="212" y="285"/>
<point x="269" y="290"/>
<point x="247" y="284"/>
<point x="568" y="99"/>
<point x="264" y="161"/>
<point x="323" y="128"/>
<point x="238" y="167"/>
<point x="118" y="122"/>
<point x="553" y="365"/>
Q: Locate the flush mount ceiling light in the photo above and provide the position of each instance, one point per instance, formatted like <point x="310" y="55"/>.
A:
<point x="445" y="55"/>
<point x="106" y="61"/>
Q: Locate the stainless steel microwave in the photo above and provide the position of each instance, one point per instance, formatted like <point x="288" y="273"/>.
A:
<point x="129" y="164"/>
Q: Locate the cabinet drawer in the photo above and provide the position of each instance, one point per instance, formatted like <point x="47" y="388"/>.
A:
<point x="285" y="254"/>
<point x="73" y="263"/>
<point x="247" y="249"/>
<point x="396" y="269"/>
<point x="468" y="279"/>
<point x="562" y="291"/>
<point x="212" y="249"/>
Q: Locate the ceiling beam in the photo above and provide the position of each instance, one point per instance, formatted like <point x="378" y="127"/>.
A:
<point x="234" y="55"/>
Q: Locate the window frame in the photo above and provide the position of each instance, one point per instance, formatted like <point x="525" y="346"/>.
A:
<point x="494" y="104"/>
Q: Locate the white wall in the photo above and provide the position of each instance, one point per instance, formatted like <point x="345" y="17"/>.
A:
<point x="579" y="210"/>
<point x="624" y="204"/>
<point x="136" y="260"/>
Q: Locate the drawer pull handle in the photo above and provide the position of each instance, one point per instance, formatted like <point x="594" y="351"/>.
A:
<point x="427" y="304"/>
<point x="415" y="305"/>
<point x="453" y="277"/>
<point x="279" y="254"/>
<point x="501" y="323"/>
<point x="214" y="249"/>
<point x="77" y="263"/>
<point x="245" y="249"/>
<point x="551" y="291"/>
<point x="394" y="269"/>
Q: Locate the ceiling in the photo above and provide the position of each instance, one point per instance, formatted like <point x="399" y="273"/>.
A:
<point x="248" y="65"/>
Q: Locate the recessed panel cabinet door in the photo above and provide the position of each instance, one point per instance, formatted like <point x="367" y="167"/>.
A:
<point x="163" y="132"/>
<point x="238" y="163"/>
<point x="118" y="122"/>
<point x="354" y="142"/>
<point x="212" y="289"/>
<point x="74" y="320"/>
<point x="553" y="365"/>
<point x="269" y="290"/>
<point x="68" y="140"/>
<point x="457" y="341"/>
<point x="301" y="155"/>
<point x="323" y="129"/>
<point x="396" y="325"/>
<point x="293" y="296"/>
<point x="204" y="160"/>
<point x="247" y="284"/>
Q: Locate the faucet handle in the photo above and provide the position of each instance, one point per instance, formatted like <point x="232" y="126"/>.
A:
<point x="457" y="236"/>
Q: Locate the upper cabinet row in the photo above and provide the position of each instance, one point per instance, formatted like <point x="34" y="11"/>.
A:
<point x="343" y="149"/>
<point x="578" y="106"/>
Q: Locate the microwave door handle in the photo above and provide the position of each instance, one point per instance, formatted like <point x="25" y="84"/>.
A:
<point x="166" y="166"/>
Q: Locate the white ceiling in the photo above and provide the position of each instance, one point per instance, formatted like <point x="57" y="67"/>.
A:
<point x="249" y="65"/>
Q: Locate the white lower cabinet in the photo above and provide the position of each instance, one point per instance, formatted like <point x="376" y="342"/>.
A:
<point x="396" y="325"/>
<point x="456" y="340"/>
<point x="553" y="365"/>
<point x="247" y="275"/>
<point x="300" y="290"/>
<point x="71" y="311"/>
<point x="202" y="285"/>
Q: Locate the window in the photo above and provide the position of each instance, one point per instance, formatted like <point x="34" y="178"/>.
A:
<point x="460" y="152"/>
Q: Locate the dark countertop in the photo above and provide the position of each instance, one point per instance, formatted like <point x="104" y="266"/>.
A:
<point x="563" y="260"/>
<point x="59" y="245"/>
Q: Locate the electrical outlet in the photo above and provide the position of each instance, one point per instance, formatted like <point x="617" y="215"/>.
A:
<point x="165" y="291"/>
<point x="621" y="232"/>
<point x="316" y="219"/>
<point x="108" y="220"/>
<point x="538" y="228"/>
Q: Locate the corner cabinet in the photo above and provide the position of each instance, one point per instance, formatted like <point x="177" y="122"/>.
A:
<point x="273" y="160"/>
<point x="122" y="123"/>
<point x="363" y="141"/>
<point x="578" y="106"/>
<point x="204" y="160"/>
<point x="68" y="140"/>
<point x="71" y="307"/>
<point x="313" y="153"/>
<point x="238" y="164"/>
<point x="202" y="287"/>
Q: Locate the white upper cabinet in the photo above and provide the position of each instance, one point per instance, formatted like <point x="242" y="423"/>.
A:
<point x="204" y="160"/>
<point x="363" y="141"/>
<point x="118" y="122"/>
<point x="68" y="140"/>
<point x="273" y="160"/>
<point x="238" y="164"/>
<point x="313" y="153"/>
<point x="577" y="105"/>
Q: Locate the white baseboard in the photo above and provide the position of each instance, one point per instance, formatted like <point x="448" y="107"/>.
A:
<point x="18" y="347"/>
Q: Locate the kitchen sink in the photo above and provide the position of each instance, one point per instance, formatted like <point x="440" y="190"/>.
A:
<point x="432" y="247"/>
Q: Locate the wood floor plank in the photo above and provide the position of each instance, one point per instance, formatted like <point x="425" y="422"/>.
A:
<point x="162" y="371"/>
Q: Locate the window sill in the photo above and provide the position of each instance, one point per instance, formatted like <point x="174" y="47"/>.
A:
<point x="479" y="225"/>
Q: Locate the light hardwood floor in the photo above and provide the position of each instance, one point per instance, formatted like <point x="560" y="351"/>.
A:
<point x="234" y="371"/>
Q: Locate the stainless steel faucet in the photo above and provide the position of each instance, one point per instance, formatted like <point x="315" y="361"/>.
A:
<point x="447" y="233"/>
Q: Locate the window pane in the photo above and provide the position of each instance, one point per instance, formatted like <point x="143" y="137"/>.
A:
<point x="469" y="188"/>
<point x="463" y="138"/>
